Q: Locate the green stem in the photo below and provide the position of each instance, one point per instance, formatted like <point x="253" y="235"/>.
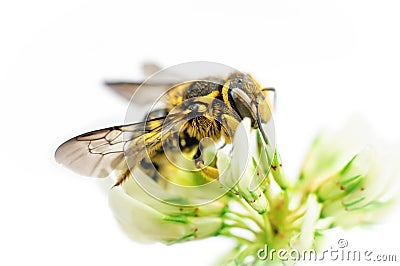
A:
<point x="236" y="225"/>
<point x="245" y="253"/>
<point x="253" y="215"/>
<point x="238" y="221"/>
<point x="238" y="238"/>
<point x="268" y="232"/>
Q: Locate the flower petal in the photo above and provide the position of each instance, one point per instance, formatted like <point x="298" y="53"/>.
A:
<point x="240" y="168"/>
<point x="332" y="149"/>
<point x="142" y="222"/>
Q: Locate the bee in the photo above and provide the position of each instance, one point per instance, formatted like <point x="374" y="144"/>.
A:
<point x="206" y="108"/>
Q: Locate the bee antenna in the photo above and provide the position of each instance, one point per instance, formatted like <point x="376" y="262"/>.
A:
<point x="270" y="89"/>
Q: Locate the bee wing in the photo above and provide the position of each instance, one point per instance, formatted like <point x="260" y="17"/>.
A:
<point x="151" y="91"/>
<point x="158" y="82"/>
<point x="99" y="152"/>
<point x="149" y="69"/>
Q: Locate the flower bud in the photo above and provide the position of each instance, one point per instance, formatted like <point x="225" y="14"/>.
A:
<point x="356" y="194"/>
<point x="147" y="224"/>
<point x="238" y="170"/>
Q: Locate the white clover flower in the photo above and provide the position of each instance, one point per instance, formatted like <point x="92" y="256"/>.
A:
<point x="147" y="219"/>
<point x="331" y="150"/>
<point x="362" y="187"/>
<point x="345" y="181"/>
<point x="239" y="170"/>
<point x="351" y="176"/>
<point x="305" y="238"/>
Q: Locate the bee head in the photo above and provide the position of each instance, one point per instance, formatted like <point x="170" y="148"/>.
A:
<point x="246" y="98"/>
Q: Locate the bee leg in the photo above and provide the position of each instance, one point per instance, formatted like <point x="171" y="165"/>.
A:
<point x="209" y="173"/>
<point x="149" y="168"/>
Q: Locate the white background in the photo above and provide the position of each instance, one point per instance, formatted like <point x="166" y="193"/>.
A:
<point x="327" y="59"/>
